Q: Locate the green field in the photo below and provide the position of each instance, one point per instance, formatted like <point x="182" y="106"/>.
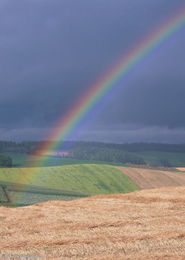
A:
<point x="15" y="194"/>
<point x="154" y="158"/>
<point x="82" y="176"/>
<point x="23" y="160"/>
<point x="85" y="178"/>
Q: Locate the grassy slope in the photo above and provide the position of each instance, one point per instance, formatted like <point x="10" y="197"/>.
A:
<point x="85" y="178"/>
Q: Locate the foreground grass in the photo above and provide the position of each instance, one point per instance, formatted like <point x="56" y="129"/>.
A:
<point x="85" y="178"/>
<point x="144" y="225"/>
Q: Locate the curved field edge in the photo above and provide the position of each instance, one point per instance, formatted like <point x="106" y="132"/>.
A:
<point x="85" y="178"/>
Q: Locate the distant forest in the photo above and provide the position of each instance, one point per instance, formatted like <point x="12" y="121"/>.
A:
<point x="97" y="151"/>
<point x="29" y="147"/>
<point x="18" y="147"/>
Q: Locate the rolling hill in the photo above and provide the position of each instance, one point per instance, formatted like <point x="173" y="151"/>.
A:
<point x="77" y="180"/>
<point x="90" y="179"/>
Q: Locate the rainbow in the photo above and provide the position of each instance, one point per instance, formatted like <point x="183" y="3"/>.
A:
<point x="95" y="93"/>
<point x="67" y="124"/>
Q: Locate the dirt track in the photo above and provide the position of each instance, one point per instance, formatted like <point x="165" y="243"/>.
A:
<point x="149" y="178"/>
<point x="148" y="224"/>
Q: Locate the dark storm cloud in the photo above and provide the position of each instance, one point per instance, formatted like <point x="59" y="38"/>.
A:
<point x="128" y="133"/>
<point x="52" y="50"/>
<point x="154" y="93"/>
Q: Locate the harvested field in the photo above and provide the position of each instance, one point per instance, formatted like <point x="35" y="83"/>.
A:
<point x="181" y="169"/>
<point x="147" y="224"/>
<point x="149" y="178"/>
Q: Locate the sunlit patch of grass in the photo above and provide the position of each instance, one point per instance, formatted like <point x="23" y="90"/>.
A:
<point x="85" y="178"/>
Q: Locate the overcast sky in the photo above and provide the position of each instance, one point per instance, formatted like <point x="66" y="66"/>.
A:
<point x="51" y="51"/>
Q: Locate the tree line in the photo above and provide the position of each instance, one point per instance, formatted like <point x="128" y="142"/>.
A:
<point x="30" y="146"/>
<point x="5" y="161"/>
<point x="105" y="154"/>
<point x="18" y="147"/>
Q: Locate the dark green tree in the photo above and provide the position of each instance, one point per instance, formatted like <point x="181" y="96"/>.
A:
<point x="5" y="161"/>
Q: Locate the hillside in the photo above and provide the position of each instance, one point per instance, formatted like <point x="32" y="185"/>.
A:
<point x="148" y="224"/>
<point x="63" y="182"/>
<point x="84" y="178"/>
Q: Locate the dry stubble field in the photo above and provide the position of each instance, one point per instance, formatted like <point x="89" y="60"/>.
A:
<point x="147" y="224"/>
<point x="150" y="178"/>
